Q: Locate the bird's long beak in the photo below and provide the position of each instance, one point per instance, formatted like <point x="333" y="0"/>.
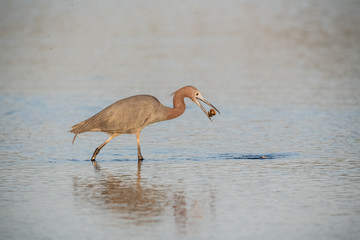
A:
<point x="208" y="103"/>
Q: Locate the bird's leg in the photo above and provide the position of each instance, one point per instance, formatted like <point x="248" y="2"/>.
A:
<point x="97" y="150"/>
<point x="140" y="157"/>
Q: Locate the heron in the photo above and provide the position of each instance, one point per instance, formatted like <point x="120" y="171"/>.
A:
<point x="130" y="115"/>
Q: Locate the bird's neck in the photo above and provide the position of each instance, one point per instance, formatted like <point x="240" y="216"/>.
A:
<point x="179" y="105"/>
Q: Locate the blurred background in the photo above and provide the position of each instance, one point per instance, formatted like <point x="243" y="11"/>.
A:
<point x="284" y="74"/>
<point x="268" y="50"/>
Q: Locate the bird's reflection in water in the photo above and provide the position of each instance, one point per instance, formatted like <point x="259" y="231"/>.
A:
<point x="122" y="194"/>
<point x="135" y="200"/>
<point x="180" y="211"/>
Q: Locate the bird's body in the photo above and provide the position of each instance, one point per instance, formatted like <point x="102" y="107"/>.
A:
<point x="123" y="116"/>
<point x="130" y="115"/>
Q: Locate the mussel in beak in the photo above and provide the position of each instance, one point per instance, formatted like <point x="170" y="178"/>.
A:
<point x="211" y="112"/>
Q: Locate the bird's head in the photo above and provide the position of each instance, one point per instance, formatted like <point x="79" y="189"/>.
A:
<point x="195" y="95"/>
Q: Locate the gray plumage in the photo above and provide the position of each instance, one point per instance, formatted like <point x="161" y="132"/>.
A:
<point x="124" y="116"/>
<point x="132" y="114"/>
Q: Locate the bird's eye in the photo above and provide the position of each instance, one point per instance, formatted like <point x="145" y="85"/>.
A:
<point x="197" y="94"/>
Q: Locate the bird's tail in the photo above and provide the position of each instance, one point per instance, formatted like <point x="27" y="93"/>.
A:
<point x="74" y="139"/>
<point x="77" y="129"/>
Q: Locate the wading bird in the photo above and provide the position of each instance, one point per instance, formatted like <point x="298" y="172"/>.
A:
<point x="130" y="115"/>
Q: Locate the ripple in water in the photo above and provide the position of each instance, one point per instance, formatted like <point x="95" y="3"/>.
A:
<point x="258" y="156"/>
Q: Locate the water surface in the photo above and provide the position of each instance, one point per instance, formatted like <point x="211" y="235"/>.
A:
<point x="280" y="162"/>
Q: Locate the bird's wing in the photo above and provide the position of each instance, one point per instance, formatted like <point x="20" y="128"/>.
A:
<point x="122" y="116"/>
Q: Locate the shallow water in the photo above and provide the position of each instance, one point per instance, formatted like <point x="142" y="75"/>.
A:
<point x="280" y="162"/>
